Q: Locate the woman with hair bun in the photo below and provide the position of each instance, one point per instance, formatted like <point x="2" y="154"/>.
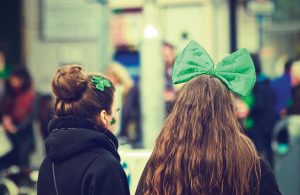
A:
<point x="81" y="150"/>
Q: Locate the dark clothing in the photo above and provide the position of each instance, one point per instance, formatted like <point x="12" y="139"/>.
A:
<point x="294" y="108"/>
<point x="20" y="108"/>
<point x="283" y="91"/>
<point x="85" y="157"/>
<point x="268" y="185"/>
<point x="262" y="117"/>
<point x="19" y="105"/>
<point x="131" y="114"/>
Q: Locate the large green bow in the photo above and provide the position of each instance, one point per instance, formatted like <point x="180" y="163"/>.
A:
<point x="236" y="70"/>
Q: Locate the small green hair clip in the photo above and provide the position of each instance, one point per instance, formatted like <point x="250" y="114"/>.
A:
<point x="100" y="82"/>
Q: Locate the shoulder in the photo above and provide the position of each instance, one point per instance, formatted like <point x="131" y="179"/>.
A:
<point x="268" y="184"/>
<point x="107" y="161"/>
<point x="46" y="163"/>
<point x="105" y="175"/>
<point x="104" y="165"/>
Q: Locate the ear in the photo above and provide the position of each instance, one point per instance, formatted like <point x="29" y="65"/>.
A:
<point x="103" y="117"/>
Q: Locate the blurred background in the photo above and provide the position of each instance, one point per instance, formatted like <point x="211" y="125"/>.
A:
<point x="134" y="43"/>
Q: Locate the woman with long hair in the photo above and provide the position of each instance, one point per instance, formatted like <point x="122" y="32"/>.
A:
<point x="81" y="150"/>
<point x="201" y="148"/>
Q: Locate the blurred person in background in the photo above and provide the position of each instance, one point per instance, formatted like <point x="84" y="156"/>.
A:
<point x="260" y="121"/>
<point x="294" y="107"/>
<point x="286" y="139"/>
<point x="128" y="90"/>
<point x="81" y="150"/>
<point x="168" y="53"/>
<point x="282" y="87"/>
<point x="201" y="148"/>
<point x="120" y="77"/>
<point x="17" y="117"/>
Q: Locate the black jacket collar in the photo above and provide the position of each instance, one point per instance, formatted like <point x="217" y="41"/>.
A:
<point x="72" y="135"/>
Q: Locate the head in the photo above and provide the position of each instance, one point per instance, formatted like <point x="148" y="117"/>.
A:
<point x="118" y="74"/>
<point x="201" y="149"/>
<point x="76" y="95"/>
<point x="18" y="81"/>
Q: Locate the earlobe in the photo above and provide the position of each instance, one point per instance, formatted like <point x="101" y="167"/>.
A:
<point x="103" y="117"/>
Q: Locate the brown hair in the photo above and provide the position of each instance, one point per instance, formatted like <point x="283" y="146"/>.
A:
<point x="77" y="96"/>
<point x="201" y="148"/>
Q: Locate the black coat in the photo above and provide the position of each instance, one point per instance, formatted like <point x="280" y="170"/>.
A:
<point x="268" y="185"/>
<point x="85" y="157"/>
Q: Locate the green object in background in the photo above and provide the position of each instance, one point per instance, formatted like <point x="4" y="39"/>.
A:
<point x="248" y="123"/>
<point x="282" y="149"/>
<point x="5" y="72"/>
<point x="289" y="103"/>
<point x="249" y="100"/>
<point x="236" y="70"/>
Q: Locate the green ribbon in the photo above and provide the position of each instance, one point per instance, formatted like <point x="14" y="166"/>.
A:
<point x="100" y="82"/>
<point x="236" y="70"/>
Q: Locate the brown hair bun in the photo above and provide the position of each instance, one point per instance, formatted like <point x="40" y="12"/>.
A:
<point x="69" y="83"/>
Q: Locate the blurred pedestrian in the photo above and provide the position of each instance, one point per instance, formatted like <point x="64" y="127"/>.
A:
<point x="282" y="87"/>
<point x="201" y="148"/>
<point x="286" y="140"/>
<point x="17" y="117"/>
<point x="130" y="127"/>
<point x="260" y="121"/>
<point x="82" y="156"/>
<point x="168" y="53"/>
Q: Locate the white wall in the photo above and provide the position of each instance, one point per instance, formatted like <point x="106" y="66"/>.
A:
<point x="247" y="30"/>
<point x="43" y="57"/>
<point x="208" y="23"/>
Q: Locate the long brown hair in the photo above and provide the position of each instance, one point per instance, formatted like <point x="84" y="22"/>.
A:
<point x="201" y="148"/>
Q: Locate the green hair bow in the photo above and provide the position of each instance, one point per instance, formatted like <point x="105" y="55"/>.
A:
<point x="236" y="70"/>
<point x="100" y="82"/>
